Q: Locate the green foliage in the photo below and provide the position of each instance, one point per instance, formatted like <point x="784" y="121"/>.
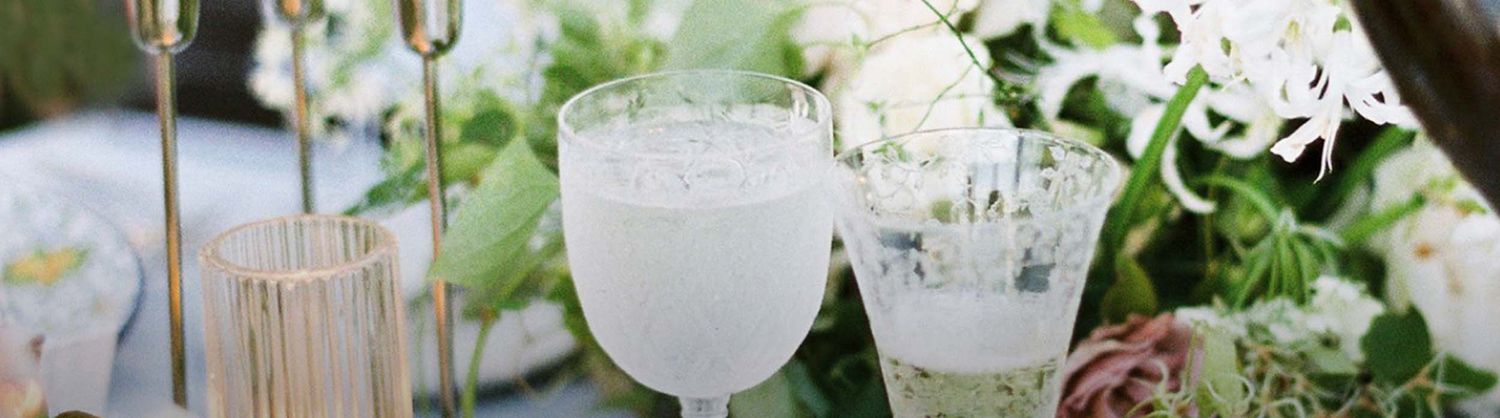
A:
<point x="1220" y="390"/>
<point x="1397" y="346"/>
<point x="1132" y="292"/>
<point x="773" y="398"/>
<point x="1081" y="27"/>
<point x="486" y="249"/>
<point x="591" y="49"/>
<point x="55" y="54"/>
<point x="486" y="123"/>
<point x="751" y="35"/>
<point x="1399" y="354"/>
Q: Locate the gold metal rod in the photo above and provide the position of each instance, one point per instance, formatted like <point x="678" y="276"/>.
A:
<point x="166" y="112"/>
<point x="439" y="208"/>
<point x="304" y="137"/>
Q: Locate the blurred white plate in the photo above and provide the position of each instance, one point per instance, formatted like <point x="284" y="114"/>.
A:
<point x="66" y="274"/>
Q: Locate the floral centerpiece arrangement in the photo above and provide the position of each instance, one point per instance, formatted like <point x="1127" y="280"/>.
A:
<point x="1237" y="275"/>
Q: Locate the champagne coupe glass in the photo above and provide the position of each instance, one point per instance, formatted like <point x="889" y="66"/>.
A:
<point x="303" y="317"/>
<point x="163" y="28"/>
<point x="696" y="223"/>
<point x="971" y="248"/>
<point x="431" y="28"/>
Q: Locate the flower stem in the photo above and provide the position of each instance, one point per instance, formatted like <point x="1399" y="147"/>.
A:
<point x="1147" y="168"/>
<point x="471" y="380"/>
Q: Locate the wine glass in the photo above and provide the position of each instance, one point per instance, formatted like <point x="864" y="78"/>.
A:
<point x="971" y="248"/>
<point x="696" y="223"/>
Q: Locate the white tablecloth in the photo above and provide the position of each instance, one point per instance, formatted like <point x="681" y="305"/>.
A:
<point x="230" y="174"/>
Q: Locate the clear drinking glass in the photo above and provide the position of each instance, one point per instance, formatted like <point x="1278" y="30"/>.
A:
<point x="303" y="319"/>
<point x="696" y="223"/>
<point x="971" y="248"/>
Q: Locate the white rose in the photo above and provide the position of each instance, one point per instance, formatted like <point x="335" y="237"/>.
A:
<point x="916" y="82"/>
<point x="827" y="33"/>
<point x="1445" y="259"/>
<point x="889" y="17"/>
<point x="996" y="18"/>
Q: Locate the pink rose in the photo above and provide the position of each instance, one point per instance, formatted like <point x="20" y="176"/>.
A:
<point x="1119" y="367"/>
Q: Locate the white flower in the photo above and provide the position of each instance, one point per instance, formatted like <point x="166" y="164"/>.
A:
<point x="1294" y="54"/>
<point x="997" y="18"/>
<point x="1445" y="259"/>
<point x="1338" y="308"/>
<point x="889" y="17"/>
<point x="1349" y="73"/>
<point x="360" y="69"/>
<point x="1131" y="75"/>
<point x="835" y="33"/>
<point x="917" y="81"/>
<point x="827" y="33"/>
<point x="1345" y="309"/>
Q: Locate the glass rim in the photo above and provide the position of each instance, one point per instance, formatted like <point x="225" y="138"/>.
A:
<point x="823" y="119"/>
<point x="1114" y="176"/>
<point x="385" y="245"/>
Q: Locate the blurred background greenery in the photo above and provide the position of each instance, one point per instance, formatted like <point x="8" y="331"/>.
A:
<point x="57" y="56"/>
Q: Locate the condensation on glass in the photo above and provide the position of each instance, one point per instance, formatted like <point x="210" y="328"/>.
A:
<point x="971" y="248"/>
<point x="303" y="318"/>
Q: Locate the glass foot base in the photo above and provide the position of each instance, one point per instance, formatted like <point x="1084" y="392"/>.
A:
<point x="705" y="407"/>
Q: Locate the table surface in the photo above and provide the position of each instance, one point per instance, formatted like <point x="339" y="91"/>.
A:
<point x="230" y="174"/>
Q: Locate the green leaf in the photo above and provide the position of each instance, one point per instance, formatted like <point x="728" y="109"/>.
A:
<point x="1397" y="346"/>
<point x="1147" y="168"/>
<point x="1221" y="389"/>
<point x="1331" y="361"/>
<point x="1132" y="292"/>
<point x="1377" y="222"/>
<point x="495" y="126"/>
<point x="1467" y="379"/>
<point x="396" y="192"/>
<point x="489" y="235"/>
<point x="463" y="161"/>
<point x="1081" y="27"/>
<point x="751" y="35"/>
<point x="806" y="389"/>
<point x="770" y="399"/>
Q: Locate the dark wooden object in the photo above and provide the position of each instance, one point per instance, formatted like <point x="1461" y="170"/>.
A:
<point x="1444" y="56"/>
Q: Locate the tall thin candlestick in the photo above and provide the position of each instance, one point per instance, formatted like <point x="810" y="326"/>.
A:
<point x="430" y="28"/>
<point x="163" y="28"/>
<point x="299" y="14"/>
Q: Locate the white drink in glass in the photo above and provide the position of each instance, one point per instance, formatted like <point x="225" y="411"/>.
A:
<point x="971" y="248"/>
<point x="698" y="285"/>
<point x="963" y="355"/>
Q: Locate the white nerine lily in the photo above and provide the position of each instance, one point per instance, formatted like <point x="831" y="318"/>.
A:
<point x="1132" y="74"/>
<point x="1297" y="55"/>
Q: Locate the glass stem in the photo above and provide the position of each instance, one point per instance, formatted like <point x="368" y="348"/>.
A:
<point x="705" y="407"/>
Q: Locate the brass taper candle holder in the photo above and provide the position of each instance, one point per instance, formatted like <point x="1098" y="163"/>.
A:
<point x="163" y="28"/>
<point x="430" y="28"/>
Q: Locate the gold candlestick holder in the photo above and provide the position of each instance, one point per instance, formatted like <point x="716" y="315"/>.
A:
<point x="299" y="14"/>
<point x="163" y="28"/>
<point x="430" y="28"/>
